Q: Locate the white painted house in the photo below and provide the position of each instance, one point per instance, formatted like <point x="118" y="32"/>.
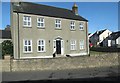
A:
<point x="99" y="36"/>
<point x="113" y="40"/>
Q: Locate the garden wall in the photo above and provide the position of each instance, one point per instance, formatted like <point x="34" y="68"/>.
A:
<point x="107" y="59"/>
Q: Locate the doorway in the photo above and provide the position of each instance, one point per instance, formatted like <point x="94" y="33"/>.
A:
<point x="58" y="46"/>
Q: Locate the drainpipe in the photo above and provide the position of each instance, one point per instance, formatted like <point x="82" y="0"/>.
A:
<point x="87" y="42"/>
<point x="18" y="38"/>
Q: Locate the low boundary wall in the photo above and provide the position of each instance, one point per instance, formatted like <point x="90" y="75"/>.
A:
<point x="107" y="59"/>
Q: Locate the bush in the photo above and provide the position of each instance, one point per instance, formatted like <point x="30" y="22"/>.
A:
<point x="7" y="47"/>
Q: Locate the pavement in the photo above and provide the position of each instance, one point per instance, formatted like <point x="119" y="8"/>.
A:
<point x="81" y="73"/>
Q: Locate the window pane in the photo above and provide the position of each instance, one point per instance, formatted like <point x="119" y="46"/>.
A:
<point x="25" y="42"/>
<point x="25" y="23"/>
<point x="59" y="25"/>
<point x="38" y="24"/>
<point x="29" y="48"/>
<point x="41" y="19"/>
<point x="42" y="24"/>
<point x="42" y="48"/>
<point x="56" y="25"/>
<point x="28" y="18"/>
<point x="39" y="42"/>
<point x="55" y="21"/>
<point x="28" y="23"/>
<point x="25" y="18"/>
<point x="38" y="19"/>
<point x="25" y="48"/>
<point x="29" y="43"/>
<point x="38" y="48"/>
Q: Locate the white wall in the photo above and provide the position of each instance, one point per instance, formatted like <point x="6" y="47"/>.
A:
<point x="104" y="35"/>
<point x="109" y="43"/>
<point x="118" y="40"/>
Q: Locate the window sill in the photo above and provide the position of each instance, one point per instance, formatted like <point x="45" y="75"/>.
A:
<point x="27" y="52"/>
<point x="27" y="27"/>
<point x="40" y="27"/>
<point x="41" y="51"/>
<point x="82" y="49"/>
<point x="81" y="29"/>
<point x="58" y="28"/>
<point x="73" y="50"/>
<point x="72" y="29"/>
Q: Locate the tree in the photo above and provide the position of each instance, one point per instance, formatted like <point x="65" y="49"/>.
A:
<point x="7" y="47"/>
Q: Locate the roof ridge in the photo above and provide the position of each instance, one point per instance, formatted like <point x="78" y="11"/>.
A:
<point x="46" y="5"/>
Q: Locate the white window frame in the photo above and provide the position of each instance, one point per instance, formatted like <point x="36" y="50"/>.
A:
<point x="24" y="45"/>
<point x="27" y="19"/>
<point x="41" y="22"/>
<point x="72" y="44"/>
<point x="81" y="44"/>
<point x="40" y="45"/>
<point x="81" y="26"/>
<point x="72" y="25"/>
<point x="58" y="23"/>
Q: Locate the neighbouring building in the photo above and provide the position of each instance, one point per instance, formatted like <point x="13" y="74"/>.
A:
<point x="99" y="36"/>
<point x="40" y="30"/>
<point x="113" y="40"/>
<point x="5" y="35"/>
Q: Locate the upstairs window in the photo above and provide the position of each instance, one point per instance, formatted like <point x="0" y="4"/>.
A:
<point x="81" y="26"/>
<point x="72" y="25"/>
<point x="41" y="45"/>
<point x="73" y="45"/>
<point x="27" y="21"/>
<point x="81" y="44"/>
<point x="27" y="46"/>
<point x="40" y="22"/>
<point x="57" y="23"/>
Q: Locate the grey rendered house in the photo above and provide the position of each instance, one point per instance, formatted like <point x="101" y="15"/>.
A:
<point x="40" y="30"/>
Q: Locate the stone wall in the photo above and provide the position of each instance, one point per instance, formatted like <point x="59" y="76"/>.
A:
<point x="107" y="59"/>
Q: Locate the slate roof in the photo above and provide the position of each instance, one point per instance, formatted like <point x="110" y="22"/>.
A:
<point x="99" y="32"/>
<point x="44" y="10"/>
<point x="114" y="35"/>
<point x="5" y="34"/>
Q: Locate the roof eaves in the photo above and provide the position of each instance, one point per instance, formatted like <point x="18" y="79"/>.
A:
<point x="51" y="16"/>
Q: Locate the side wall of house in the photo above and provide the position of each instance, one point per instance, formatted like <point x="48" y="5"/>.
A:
<point x="14" y="31"/>
<point x="94" y="39"/>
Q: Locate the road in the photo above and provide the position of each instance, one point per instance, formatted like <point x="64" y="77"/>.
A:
<point x="61" y="74"/>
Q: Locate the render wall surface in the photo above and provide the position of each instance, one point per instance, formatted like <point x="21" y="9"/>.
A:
<point x="49" y="34"/>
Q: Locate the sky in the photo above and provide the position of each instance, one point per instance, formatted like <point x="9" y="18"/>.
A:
<point x="100" y="15"/>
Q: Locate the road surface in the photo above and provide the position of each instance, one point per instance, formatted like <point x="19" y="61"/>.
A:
<point x="62" y="74"/>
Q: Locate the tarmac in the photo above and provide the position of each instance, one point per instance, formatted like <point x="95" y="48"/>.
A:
<point x="82" y="74"/>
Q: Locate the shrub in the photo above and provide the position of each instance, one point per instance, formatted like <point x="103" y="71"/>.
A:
<point x="7" y="47"/>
